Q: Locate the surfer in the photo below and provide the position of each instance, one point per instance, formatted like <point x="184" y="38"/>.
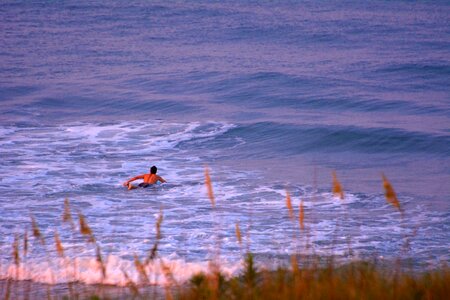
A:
<point x="149" y="179"/>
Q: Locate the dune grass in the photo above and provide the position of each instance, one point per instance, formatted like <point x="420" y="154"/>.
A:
<point x="304" y="277"/>
<point x="356" y="280"/>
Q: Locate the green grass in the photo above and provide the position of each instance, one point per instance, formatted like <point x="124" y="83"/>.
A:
<point x="356" y="280"/>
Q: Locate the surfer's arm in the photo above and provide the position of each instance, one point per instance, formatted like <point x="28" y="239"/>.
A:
<point x="133" y="179"/>
<point x="161" y="179"/>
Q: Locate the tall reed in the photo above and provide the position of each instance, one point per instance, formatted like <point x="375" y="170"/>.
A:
<point x="303" y="280"/>
<point x="390" y="194"/>
<point x="337" y="187"/>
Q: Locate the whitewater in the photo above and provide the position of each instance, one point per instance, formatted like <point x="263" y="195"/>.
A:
<point x="269" y="97"/>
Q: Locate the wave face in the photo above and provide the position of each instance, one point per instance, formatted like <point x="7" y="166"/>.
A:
<point x="271" y="96"/>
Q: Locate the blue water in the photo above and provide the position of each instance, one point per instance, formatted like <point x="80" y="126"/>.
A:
<point x="270" y="96"/>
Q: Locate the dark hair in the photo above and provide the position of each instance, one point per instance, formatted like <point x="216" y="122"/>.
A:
<point x="153" y="170"/>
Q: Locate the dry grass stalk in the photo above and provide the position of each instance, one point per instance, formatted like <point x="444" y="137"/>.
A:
<point x="168" y="274"/>
<point x="289" y="206"/>
<point x="168" y="293"/>
<point x="158" y="225"/>
<point x="100" y="262"/>
<point x="8" y="289"/>
<point x="238" y="234"/>
<point x="209" y="187"/>
<point x="67" y="215"/>
<point x="294" y="264"/>
<point x="153" y="253"/>
<point x="213" y="279"/>
<point x="16" y="251"/>
<point x="301" y="216"/>
<point x="58" y="245"/>
<point x="337" y="187"/>
<point x="154" y="250"/>
<point x="390" y="195"/>
<point x="36" y="232"/>
<point x="141" y="269"/>
<point x="25" y="243"/>
<point x="130" y="284"/>
<point x="85" y="229"/>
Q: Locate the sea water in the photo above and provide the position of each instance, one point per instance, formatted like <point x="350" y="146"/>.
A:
<point x="271" y="97"/>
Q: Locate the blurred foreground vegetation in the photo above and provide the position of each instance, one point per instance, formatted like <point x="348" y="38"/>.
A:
<point x="355" y="280"/>
<point x="303" y="278"/>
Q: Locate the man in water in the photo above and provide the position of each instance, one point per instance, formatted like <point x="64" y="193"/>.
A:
<point x="149" y="179"/>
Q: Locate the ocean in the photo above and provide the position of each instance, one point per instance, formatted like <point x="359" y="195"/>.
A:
<point x="271" y="97"/>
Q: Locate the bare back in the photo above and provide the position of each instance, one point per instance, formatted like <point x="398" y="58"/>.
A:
<point x="152" y="178"/>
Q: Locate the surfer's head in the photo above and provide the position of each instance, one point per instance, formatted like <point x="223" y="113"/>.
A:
<point x="153" y="170"/>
